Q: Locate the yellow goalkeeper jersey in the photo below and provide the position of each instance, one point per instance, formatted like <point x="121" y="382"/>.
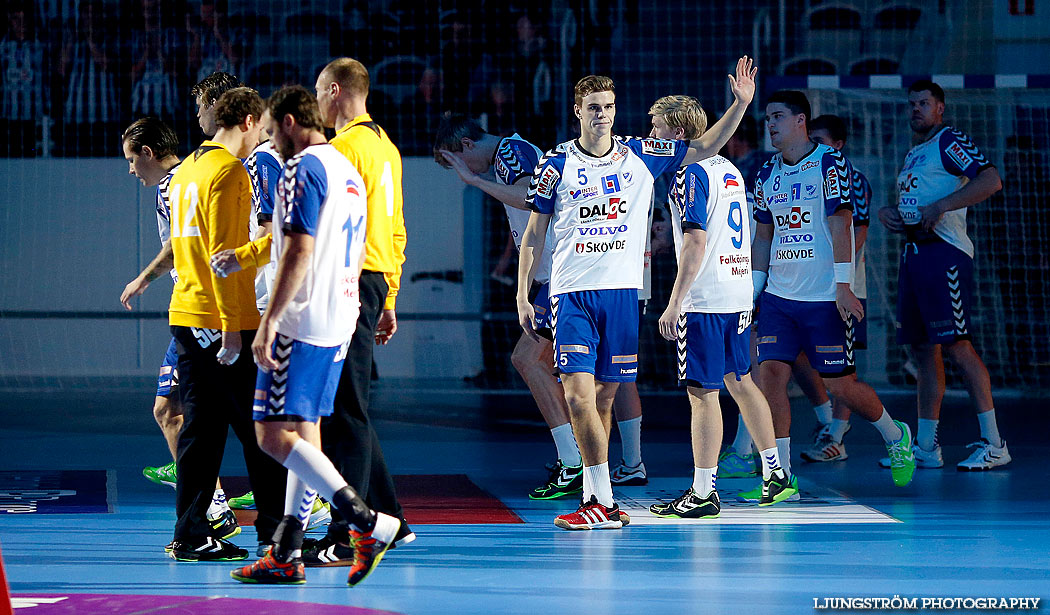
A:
<point x="210" y="199"/>
<point x="376" y="158"/>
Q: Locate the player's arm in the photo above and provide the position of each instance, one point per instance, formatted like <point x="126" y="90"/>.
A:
<point x="291" y="271"/>
<point x="226" y="209"/>
<point x="512" y="195"/>
<point x="860" y="235"/>
<point x="533" y="243"/>
<point x="694" y="245"/>
<point x="743" y="86"/>
<point x="841" y="225"/>
<point x="763" y="241"/>
<point x="162" y="263"/>
<point x="985" y="184"/>
<point x="387" y="324"/>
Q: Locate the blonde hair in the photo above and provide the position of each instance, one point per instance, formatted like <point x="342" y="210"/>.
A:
<point x="350" y="74"/>
<point x="591" y="84"/>
<point x="682" y="112"/>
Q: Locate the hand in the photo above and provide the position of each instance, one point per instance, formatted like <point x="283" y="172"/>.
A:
<point x="386" y="327"/>
<point x="134" y="288"/>
<point x="891" y="219"/>
<point x="931" y="215"/>
<point x="223" y="263"/>
<point x="460" y="167"/>
<point x="231" y="348"/>
<point x="847" y="303"/>
<point x="527" y="318"/>
<point x="262" y="347"/>
<point x="743" y="84"/>
<point x="669" y="323"/>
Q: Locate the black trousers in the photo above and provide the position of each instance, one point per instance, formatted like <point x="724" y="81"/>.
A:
<point x="347" y="437"/>
<point x="214" y="398"/>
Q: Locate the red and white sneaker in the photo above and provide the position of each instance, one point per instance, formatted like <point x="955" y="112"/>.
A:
<point x="591" y="516"/>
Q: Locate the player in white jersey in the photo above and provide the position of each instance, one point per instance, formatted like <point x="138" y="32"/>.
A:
<point x="804" y="243"/>
<point x="709" y="312"/>
<point x="833" y="418"/>
<point x="593" y="195"/>
<point x="303" y="337"/>
<point x="264" y="167"/>
<point x="149" y="146"/>
<point x="943" y="175"/>
<point x="463" y="146"/>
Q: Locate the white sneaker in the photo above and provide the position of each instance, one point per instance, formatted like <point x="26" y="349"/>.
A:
<point x="825" y="448"/>
<point x="985" y="457"/>
<point x="628" y="476"/>
<point x="923" y="458"/>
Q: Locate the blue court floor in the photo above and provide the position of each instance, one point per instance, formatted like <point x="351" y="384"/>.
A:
<point x="949" y="534"/>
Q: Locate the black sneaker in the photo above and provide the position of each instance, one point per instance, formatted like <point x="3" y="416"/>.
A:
<point x="689" y="505"/>
<point x="777" y="488"/>
<point x="207" y="550"/>
<point x="225" y="526"/>
<point x="404" y="536"/>
<point x="563" y="480"/>
<point x="327" y="552"/>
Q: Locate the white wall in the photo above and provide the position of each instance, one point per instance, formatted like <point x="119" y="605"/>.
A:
<point x="74" y="232"/>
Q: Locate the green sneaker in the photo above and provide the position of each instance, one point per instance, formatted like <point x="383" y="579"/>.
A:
<point x="563" y="480"/>
<point x="320" y="514"/>
<point x="778" y="488"/>
<point x="243" y="502"/>
<point x="161" y="475"/>
<point x="902" y="457"/>
<point x="755" y="495"/>
<point x="732" y="464"/>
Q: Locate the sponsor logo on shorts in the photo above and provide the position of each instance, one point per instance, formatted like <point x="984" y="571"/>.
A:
<point x="625" y="358"/>
<point x="625" y="372"/>
<point x="547" y="182"/>
<point x="601" y="212"/>
<point x="767" y="339"/>
<point x="260" y="394"/>
<point x="598" y="231"/>
<point x="585" y="192"/>
<point x="601" y="247"/>
<point x="658" y="147"/>
<point x="812" y="164"/>
<point x="829" y="349"/>
<point x="959" y="155"/>
<point x="835" y="362"/>
<point x="574" y="348"/>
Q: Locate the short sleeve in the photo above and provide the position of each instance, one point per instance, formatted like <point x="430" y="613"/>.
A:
<point x="861" y="193"/>
<point x="306" y="184"/>
<point x="960" y="156"/>
<point x="761" y="208"/>
<point x="659" y="155"/>
<point x="514" y="160"/>
<point x="836" y="172"/>
<point x="543" y="188"/>
<point x="692" y="192"/>
<point x="269" y="174"/>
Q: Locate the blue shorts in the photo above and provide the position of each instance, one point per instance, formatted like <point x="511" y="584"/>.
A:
<point x="934" y="294"/>
<point x="303" y="385"/>
<point x="168" y="378"/>
<point x="541" y="305"/>
<point x="789" y="327"/>
<point x="711" y="346"/>
<point x="596" y="331"/>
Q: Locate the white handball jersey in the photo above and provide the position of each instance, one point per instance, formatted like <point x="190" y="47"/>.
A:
<point x="164" y="212"/>
<point x="264" y="167"/>
<point x="797" y="200"/>
<point x="934" y="169"/>
<point x="514" y="159"/>
<point x="322" y="195"/>
<point x="600" y="209"/>
<point x="709" y="195"/>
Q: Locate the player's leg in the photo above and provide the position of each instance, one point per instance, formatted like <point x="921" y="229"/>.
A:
<point x="991" y="451"/>
<point x="627" y="408"/>
<point x="701" y="500"/>
<point x="813" y="388"/>
<point x="168" y="414"/>
<point x="740" y="459"/>
<point x="781" y="335"/>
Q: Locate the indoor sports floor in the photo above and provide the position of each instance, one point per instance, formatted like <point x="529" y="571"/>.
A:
<point x="466" y="460"/>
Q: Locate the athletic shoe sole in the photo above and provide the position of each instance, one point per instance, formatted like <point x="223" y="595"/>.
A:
<point x="560" y="494"/>
<point x="604" y="525"/>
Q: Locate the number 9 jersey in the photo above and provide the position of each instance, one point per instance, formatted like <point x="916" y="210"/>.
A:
<point x="322" y="195"/>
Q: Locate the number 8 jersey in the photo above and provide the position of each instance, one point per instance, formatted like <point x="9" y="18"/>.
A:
<point x="709" y="195"/>
<point x="797" y="200"/>
<point x="322" y="195"/>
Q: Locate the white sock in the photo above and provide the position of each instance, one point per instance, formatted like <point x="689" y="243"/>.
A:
<point x="631" y="436"/>
<point x="927" y="436"/>
<point x="823" y="412"/>
<point x="742" y="443"/>
<point x="838" y="429"/>
<point x="298" y="499"/>
<point x="218" y="505"/>
<point x="989" y="430"/>
<point x="568" y="452"/>
<point x="770" y="461"/>
<point x="889" y="430"/>
<point x="596" y="482"/>
<point x="784" y="451"/>
<point x="316" y="470"/>
<point x="704" y="481"/>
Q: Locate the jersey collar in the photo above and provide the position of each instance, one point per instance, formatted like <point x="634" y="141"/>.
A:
<point x="364" y="117"/>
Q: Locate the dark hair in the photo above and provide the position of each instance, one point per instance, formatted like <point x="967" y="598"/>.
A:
<point x="453" y="129"/>
<point x="151" y="132"/>
<point x="212" y="87"/>
<point x="835" y="125"/>
<point x="795" y="101"/>
<point x="350" y="74"/>
<point x="298" y="102"/>
<point x="925" y="85"/>
<point x="591" y="84"/>
<point x="237" y="104"/>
